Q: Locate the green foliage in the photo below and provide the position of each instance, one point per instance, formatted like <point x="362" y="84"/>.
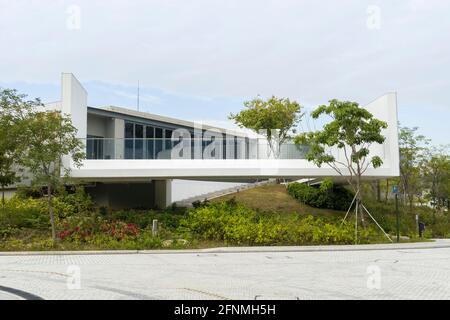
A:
<point x="26" y="212"/>
<point x="23" y="213"/>
<point x="68" y="204"/>
<point x="198" y="203"/>
<point x="144" y="218"/>
<point x="436" y="175"/>
<point x="14" y="118"/>
<point x="236" y="224"/>
<point x="24" y="225"/>
<point x="325" y="196"/>
<point x="352" y="129"/>
<point x="263" y="116"/>
<point x="412" y="159"/>
<point x="51" y="136"/>
<point x="437" y="224"/>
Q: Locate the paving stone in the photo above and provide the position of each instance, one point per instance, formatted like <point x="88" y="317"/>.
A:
<point x="422" y="273"/>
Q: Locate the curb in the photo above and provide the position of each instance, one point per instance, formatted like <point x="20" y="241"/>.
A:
<point x="440" y="244"/>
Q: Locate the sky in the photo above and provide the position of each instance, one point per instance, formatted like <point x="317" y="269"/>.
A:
<point x="200" y="59"/>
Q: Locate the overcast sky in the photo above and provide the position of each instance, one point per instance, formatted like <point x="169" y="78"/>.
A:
<point x="199" y="59"/>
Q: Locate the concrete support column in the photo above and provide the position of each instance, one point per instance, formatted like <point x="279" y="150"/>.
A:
<point x="163" y="193"/>
<point x="119" y="135"/>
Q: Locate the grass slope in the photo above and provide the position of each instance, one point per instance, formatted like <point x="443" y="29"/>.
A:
<point x="274" y="198"/>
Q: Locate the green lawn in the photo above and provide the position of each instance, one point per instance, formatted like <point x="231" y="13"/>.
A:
<point x="274" y="198"/>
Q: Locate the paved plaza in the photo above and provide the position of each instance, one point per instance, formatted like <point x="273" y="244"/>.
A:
<point x="410" y="271"/>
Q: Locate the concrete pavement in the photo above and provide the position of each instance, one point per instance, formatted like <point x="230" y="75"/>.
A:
<point x="407" y="271"/>
<point x="436" y="243"/>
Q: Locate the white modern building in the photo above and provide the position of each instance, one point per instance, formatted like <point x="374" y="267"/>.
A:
<point x="137" y="159"/>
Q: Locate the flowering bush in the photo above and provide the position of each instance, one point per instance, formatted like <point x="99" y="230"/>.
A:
<point x="85" y="228"/>
<point x="120" y="230"/>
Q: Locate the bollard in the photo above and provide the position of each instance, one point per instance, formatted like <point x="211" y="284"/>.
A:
<point x="155" y="227"/>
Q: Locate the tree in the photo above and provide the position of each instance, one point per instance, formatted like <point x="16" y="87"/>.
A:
<point x="274" y="117"/>
<point x="437" y="173"/>
<point x="14" y="116"/>
<point x="412" y="155"/>
<point x="51" y="136"/>
<point x="352" y="131"/>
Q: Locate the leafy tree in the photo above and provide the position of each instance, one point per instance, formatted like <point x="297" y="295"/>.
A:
<point x="274" y="117"/>
<point x="51" y="137"/>
<point x="352" y="131"/>
<point x="412" y="155"/>
<point x="14" y="116"/>
<point x="437" y="174"/>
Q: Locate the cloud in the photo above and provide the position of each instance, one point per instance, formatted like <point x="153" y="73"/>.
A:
<point x="215" y="54"/>
<point x="143" y="98"/>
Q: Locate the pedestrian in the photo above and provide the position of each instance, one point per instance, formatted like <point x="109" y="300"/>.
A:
<point x="421" y="229"/>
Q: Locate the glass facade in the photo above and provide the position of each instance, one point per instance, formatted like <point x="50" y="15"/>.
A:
<point x="94" y="148"/>
<point x="146" y="141"/>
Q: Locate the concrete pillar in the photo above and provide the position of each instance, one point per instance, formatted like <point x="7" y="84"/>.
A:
<point x="119" y="135"/>
<point x="74" y="105"/>
<point x="163" y="193"/>
<point x="115" y="133"/>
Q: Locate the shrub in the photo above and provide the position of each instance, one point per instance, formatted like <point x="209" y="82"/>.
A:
<point x="24" y="213"/>
<point x="144" y="218"/>
<point x="437" y="224"/>
<point x="74" y="203"/>
<point x="198" y="203"/>
<point x="324" y="196"/>
<point x="236" y="224"/>
<point x="81" y="228"/>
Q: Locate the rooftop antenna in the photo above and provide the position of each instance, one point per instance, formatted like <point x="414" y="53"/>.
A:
<point x="138" y="96"/>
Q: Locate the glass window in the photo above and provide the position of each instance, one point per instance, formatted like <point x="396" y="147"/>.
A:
<point x="129" y="130"/>
<point x="94" y="147"/>
<point x="150" y="142"/>
<point x="158" y="141"/>
<point x="138" y="141"/>
<point x="168" y="139"/>
<point x="129" y="140"/>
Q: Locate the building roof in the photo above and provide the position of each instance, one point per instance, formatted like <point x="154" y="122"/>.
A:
<point x="179" y="122"/>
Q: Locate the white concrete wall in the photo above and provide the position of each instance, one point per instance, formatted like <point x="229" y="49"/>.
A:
<point x="385" y="108"/>
<point x="184" y="189"/>
<point x="163" y="193"/>
<point x="74" y="103"/>
<point x="97" y="126"/>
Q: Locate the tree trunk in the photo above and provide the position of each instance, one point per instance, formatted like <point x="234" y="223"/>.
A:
<point x="387" y="191"/>
<point x="359" y="201"/>
<point x="378" y="191"/>
<point x="411" y="200"/>
<point x="3" y="197"/>
<point x="50" y="211"/>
